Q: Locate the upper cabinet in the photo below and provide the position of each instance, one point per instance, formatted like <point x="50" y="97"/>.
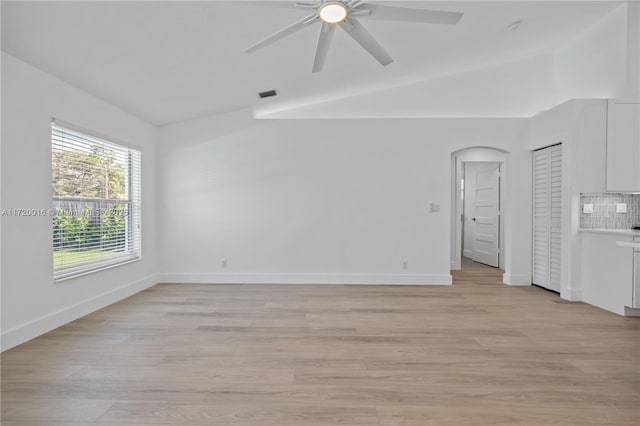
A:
<point x="623" y="145"/>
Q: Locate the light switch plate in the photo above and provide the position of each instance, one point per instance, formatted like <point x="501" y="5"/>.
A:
<point x="621" y="207"/>
<point x="587" y="208"/>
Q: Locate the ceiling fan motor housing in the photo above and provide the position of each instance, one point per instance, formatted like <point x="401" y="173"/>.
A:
<point x="333" y="12"/>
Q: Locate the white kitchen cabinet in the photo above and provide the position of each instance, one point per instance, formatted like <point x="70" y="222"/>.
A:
<point x="607" y="271"/>
<point x="623" y="145"/>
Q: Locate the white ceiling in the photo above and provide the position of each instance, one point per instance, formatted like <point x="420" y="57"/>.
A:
<point x="173" y="61"/>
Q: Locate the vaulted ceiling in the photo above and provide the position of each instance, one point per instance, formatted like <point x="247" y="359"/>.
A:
<point x="173" y="61"/>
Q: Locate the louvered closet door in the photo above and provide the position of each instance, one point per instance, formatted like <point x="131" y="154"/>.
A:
<point x="547" y="215"/>
<point x="555" y="196"/>
<point x="541" y="213"/>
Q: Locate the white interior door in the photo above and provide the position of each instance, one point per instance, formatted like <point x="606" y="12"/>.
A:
<point x="547" y="216"/>
<point x="485" y="222"/>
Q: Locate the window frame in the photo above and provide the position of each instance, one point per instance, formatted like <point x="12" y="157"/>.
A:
<point x="133" y="201"/>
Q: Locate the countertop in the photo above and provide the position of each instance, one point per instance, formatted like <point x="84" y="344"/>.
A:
<point x="621" y="232"/>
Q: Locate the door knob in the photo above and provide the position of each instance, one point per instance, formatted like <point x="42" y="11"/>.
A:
<point x="473" y="219"/>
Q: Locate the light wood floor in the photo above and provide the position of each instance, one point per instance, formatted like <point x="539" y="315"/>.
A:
<point x="475" y="353"/>
<point x="468" y="263"/>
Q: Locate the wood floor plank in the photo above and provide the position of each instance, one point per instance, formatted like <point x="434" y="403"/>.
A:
<point x="240" y="414"/>
<point x="475" y="353"/>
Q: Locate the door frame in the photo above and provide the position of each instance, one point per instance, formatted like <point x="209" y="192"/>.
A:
<point x="483" y="154"/>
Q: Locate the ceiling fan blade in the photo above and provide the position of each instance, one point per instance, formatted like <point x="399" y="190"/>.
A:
<point x="366" y="40"/>
<point x="285" y="4"/>
<point x="307" y="5"/>
<point x="326" y="35"/>
<point x="282" y="4"/>
<point x="394" y="13"/>
<point x="296" y="26"/>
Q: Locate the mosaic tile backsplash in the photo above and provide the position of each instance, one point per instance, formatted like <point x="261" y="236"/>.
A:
<point x="604" y="211"/>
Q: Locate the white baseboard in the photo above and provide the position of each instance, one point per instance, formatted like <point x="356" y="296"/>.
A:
<point x="46" y="323"/>
<point x="574" y="295"/>
<point x="371" y="279"/>
<point x="515" y="280"/>
<point x="631" y="312"/>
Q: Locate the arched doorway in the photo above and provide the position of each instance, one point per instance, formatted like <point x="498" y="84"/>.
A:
<point x="478" y="213"/>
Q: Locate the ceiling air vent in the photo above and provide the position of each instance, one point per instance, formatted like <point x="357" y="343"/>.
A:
<point x="268" y="94"/>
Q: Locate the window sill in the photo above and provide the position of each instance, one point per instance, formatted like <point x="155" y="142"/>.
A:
<point x="97" y="268"/>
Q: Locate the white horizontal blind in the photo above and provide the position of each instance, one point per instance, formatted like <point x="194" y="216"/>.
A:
<point x="96" y="203"/>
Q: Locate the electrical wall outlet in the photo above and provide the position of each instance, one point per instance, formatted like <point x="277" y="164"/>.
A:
<point x="405" y="265"/>
<point x="223" y="263"/>
<point x="587" y="208"/>
<point x="621" y="207"/>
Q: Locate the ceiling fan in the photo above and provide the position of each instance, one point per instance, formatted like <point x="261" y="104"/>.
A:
<point x="345" y="14"/>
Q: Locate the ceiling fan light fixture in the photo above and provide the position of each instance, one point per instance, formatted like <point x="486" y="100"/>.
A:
<point x="346" y="14"/>
<point x="333" y="12"/>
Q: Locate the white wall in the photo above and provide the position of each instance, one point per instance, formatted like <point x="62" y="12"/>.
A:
<point x="581" y="127"/>
<point x="496" y="91"/>
<point x="315" y="200"/>
<point x="31" y="302"/>
<point x="595" y="64"/>
<point x="633" y="50"/>
<point x="469" y="173"/>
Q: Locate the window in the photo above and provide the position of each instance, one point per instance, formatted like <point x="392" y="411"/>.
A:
<point x="96" y="203"/>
